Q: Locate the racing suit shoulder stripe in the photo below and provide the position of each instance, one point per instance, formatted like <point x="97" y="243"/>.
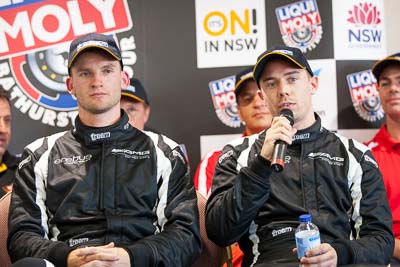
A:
<point x="360" y="146"/>
<point x="167" y="151"/>
<point x="164" y="168"/>
<point x="354" y="177"/>
<point x="34" y="168"/>
<point x="161" y="140"/>
<point x="243" y="147"/>
<point x="243" y="157"/>
<point x="239" y="141"/>
<point x="41" y="173"/>
<point x="243" y="160"/>
<point x="38" y="143"/>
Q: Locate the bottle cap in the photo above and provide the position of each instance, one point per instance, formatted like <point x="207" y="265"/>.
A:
<point x="305" y="218"/>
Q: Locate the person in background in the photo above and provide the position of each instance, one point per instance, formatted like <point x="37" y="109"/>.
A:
<point x="8" y="162"/>
<point x="256" y="117"/>
<point x="135" y="103"/>
<point x="103" y="193"/>
<point x="253" y="113"/>
<point x="333" y="178"/>
<point x="385" y="146"/>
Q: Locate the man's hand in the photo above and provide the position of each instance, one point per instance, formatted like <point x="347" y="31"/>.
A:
<point x="108" y="256"/>
<point x="280" y="130"/>
<point x="323" y="255"/>
<point x="396" y="251"/>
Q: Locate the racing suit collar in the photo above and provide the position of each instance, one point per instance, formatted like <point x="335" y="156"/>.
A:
<point x="9" y="159"/>
<point x="94" y="135"/>
<point x="309" y="134"/>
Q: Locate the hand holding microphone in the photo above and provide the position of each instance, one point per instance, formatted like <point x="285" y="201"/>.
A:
<point x="278" y="156"/>
<point x="277" y="137"/>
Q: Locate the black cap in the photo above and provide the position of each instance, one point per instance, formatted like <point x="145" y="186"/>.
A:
<point x="136" y="91"/>
<point x="93" y="40"/>
<point x="380" y="65"/>
<point x="292" y="53"/>
<point x="241" y="78"/>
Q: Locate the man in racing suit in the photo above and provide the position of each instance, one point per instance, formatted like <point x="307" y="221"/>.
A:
<point x="334" y="179"/>
<point x="103" y="193"/>
<point x="256" y="117"/>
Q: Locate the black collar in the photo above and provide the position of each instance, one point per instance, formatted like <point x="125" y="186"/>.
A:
<point x="10" y="160"/>
<point x="309" y="134"/>
<point x="97" y="135"/>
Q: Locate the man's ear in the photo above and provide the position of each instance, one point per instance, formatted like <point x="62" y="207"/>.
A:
<point x="146" y="113"/>
<point x="70" y="87"/>
<point x="240" y="114"/>
<point x="314" y="85"/>
<point x="125" y="81"/>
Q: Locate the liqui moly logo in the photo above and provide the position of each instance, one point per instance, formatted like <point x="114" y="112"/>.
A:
<point x="27" y="26"/>
<point x="366" y="26"/>
<point x="223" y="96"/>
<point x="365" y="96"/>
<point x="300" y="24"/>
<point x="34" y="46"/>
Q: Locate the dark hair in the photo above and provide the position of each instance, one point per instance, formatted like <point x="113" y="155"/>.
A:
<point x="4" y="94"/>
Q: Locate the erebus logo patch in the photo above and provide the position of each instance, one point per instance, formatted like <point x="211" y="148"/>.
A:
<point x="73" y="160"/>
<point x="99" y="136"/>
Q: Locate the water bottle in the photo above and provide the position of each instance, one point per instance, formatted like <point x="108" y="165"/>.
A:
<point x="307" y="235"/>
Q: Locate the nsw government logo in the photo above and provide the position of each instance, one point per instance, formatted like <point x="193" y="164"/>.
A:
<point x="223" y="96"/>
<point x="300" y="24"/>
<point x="366" y="31"/>
<point x="365" y="96"/>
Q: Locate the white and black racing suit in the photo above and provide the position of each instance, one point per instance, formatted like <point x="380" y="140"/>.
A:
<point x="91" y="186"/>
<point x="333" y="178"/>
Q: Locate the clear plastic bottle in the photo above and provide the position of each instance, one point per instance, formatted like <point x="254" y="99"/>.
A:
<point x="307" y="235"/>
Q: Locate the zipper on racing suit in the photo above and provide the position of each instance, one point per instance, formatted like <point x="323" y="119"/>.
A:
<point x="101" y="186"/>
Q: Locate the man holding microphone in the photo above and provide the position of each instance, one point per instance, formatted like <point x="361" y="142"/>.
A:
<point x="334" y="179"/>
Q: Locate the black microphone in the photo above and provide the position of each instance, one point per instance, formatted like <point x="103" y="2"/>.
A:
<point x="278" y="157"/>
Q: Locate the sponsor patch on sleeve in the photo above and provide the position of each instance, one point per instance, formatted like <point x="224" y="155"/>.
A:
<point x="224" y="156"/>
<point x="367" y="158"/>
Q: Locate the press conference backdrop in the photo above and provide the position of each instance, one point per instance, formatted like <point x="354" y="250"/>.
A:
<point x="186" y="52"/>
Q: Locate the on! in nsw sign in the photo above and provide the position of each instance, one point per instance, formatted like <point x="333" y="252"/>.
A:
<point x="229" y="32"/>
